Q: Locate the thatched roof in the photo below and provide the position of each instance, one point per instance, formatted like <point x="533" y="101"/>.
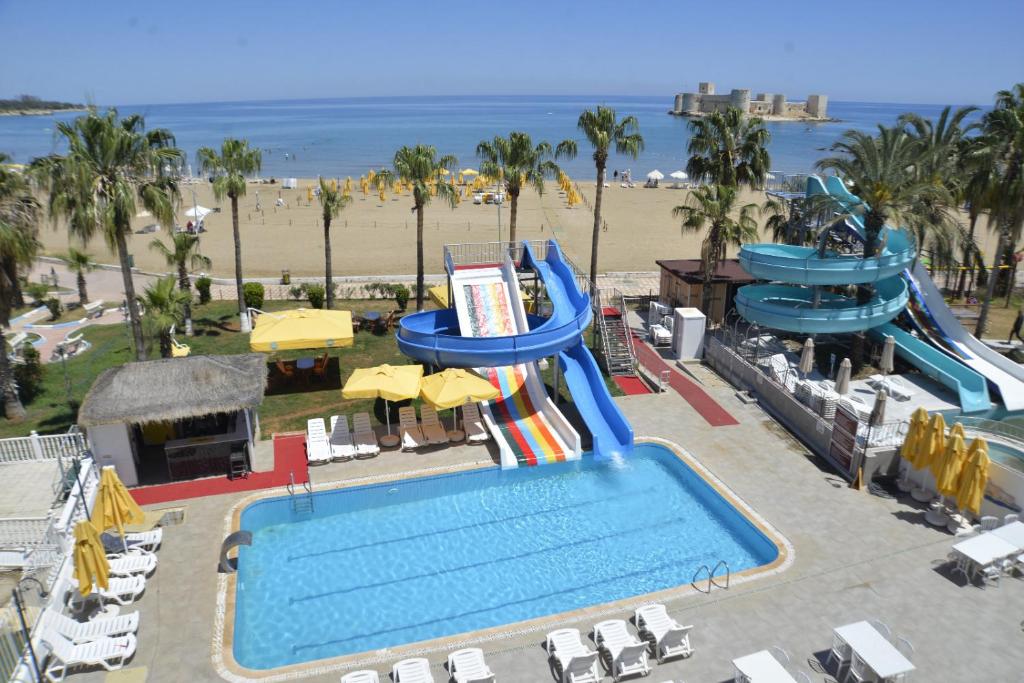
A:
<point x="175" y="388"/>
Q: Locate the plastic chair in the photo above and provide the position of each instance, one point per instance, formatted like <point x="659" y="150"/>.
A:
<point x="882" y="628"/>
<point x="780" y="655"/>
<point x="840" y="652"/>
<point x="905" y="647"/>
<point x="1011" y="518"/>
<point x="859" y="670"/>
<point x="986" y="523"/>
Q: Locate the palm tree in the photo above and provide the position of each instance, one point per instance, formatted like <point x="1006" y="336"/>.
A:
<point x="1001" y="152"/>
<point x="164" y="307"/>
<point x="230" y="168"/>
<point x="111" y="166"/>
<point x="19" y="244"/>
<point x="183" y="255"/>
<point x="79" y="262"/>
<point x="518" y="162"/>
<point x="729" y="148"/>
<point x="604" y="131"/>
<point x="713" y="207"/>
<point x="419" y="168"/>
<point x="332" y="201"/>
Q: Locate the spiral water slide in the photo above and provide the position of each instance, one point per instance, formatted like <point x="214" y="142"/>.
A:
<point x="489" y="330"/>
<point x="795" y="302"/>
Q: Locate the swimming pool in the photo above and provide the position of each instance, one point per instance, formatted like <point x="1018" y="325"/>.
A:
<point x="406" y="561"/>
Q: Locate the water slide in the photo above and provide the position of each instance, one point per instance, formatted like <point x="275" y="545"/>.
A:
<point x="489" y="329"/>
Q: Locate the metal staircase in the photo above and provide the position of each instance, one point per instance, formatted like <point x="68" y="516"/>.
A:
<point x="302" y="502"/>
<point x="618" y="352"/>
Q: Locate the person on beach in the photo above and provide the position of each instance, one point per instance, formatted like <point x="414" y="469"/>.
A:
<point x="1017" y="324"/>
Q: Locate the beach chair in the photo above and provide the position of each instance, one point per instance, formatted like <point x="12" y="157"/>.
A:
<point x="473" y="425"/>
<point x="318" y="448"/>
<point x="626" y="654"/>
<point x="416" y="670"/>
<point x="364" y="676"/>
<point x="574" y="661"/>
<point x="85" y="631"/>
<point x="342" y="448"/>
<point x="409" y="428"/>
<point x="469" y="666"/>
<point x="670" y="639"/>
<point x="364" y="438"/>
<point x="894" y="386"/>
<point x="121" y="590"/>
<point x="431" y="427"/>
<point x="110" y="653"/>
<point x="132" y="563"/>
<point x="146" y="541"/>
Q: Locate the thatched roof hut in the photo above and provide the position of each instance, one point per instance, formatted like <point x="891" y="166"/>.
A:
<point x="175" y="389"/>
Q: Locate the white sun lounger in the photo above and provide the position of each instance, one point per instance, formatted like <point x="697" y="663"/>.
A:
<point x="474" y="427"/>
<point x="122" y="590"/>
<point x="416" y="670"/>
<point x="469" y="666"/>
<point x="627" y="653"/>
<point x="363" y="436"/>
<point x="110" y="653"/>
<point x="318" y="448"/>
<point x="409" y="428"/>
<point x="430" y="425"/>
<point x="894" y="386"/>
<point x="132" y="563"/>
<point x="146" y="541"/>
<point x="670" y="638"/>
<point x="342" y="448"/>
<point x="95" y="629"/>
<point x="577" y="662"/>
<point x="364" y="676"/>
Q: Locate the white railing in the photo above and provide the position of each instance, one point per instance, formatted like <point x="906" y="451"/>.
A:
<point x="34" y="448"/>
<point x="23" y="532"/>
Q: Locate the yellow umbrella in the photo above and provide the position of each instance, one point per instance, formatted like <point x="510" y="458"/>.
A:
<point x="931" y="447"/>
<point x="451" y="388"/>
<point x="380" y="193"/>
<point x="114" y="506"/>
<point x="915" y="432"/>
<point x="371" y="175"/>
<point x="947" y="473"/>
<point x="462" y="178"/>
<point x="469" y="171"/>
<point x="348" y="183"/>
<point x="301" y="328"/>
<point x="444" y="171"/>
<point x="309" y="194"/>
<point x="91" y="564"/>
<point x="973" y="478"/>
<point x="389" y="382"/>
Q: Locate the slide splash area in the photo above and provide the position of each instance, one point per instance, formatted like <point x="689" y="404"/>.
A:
<point x="489" y="330"/>
<point x="796" y="301"/>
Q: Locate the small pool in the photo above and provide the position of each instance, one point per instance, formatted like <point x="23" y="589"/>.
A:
<point x="407" y="561"/>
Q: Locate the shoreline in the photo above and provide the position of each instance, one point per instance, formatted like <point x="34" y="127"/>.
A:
<point x="39" y="112"/>
<point x="767" y="118"/>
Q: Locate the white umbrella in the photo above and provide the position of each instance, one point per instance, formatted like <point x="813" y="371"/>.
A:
<point x="655" y="175"/>
<point x="678" y="175"/>
<point x="843" y="378"/>
<point x="807" y="357"/>
<point x="885" y="364"/>
<point x="877" y="417"/>
<point x="198" y="212"/>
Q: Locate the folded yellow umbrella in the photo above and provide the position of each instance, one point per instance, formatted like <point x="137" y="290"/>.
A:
<point x="933" y="443"/>
<point x="970" y="490"/>
<point x="91" y="564"/>
<point x="915" y="433"/>
<point x="451" y="388"/>
<point x="114" y="506"/>
<point x="949" y="465"/>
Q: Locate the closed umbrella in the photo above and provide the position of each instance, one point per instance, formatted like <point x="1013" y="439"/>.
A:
<point x="843" y="378"/>
<point x="930" y="449"/>
<point x="389" y="382"/>
<point x="911" y="444"/>
<point x="453" y="387"/>
<point x="970" y="490"/>
<point x="114" y="506"/>
<point x="885" y="364"/>
<point x="91" y="566"/>
<point x="877" y="417"/>
<point x="807" y="358"/>
<point x="947" y="474"/>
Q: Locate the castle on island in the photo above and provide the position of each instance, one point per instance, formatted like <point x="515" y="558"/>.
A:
<point x="765" y="105"/>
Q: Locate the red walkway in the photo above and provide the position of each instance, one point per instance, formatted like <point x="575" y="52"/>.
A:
<point x="289" y="456"/>
<point x="631" y="385"/>
<point x="714" y="414"/>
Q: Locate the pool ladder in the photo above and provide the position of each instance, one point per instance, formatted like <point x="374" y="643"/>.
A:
<point x="301" y="502"/>
<point x="704" y="569"/>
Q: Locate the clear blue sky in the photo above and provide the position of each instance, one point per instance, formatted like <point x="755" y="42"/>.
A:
<point x="114" y="52"/>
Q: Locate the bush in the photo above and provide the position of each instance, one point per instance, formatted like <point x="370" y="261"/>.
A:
<point x="53" y="303"/>
<point x="29" y="375"/>
<point x="316" y="295"/>
<point x="37" y="291"/>
<point x="401" y="296"/>
<point x="297" y="292"/>
<point x="203" y="287"/>
<point x="253" y="293"/>
<point x="400" y="293"/>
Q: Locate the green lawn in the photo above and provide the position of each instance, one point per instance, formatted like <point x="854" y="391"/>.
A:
<point x="285" y="408"/>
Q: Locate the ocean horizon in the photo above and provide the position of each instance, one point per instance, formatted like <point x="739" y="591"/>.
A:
<point x="340" y="137"/>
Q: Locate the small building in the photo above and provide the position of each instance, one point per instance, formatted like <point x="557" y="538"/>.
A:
<point x="175" y="418"/>
<point x="682" y="284"/>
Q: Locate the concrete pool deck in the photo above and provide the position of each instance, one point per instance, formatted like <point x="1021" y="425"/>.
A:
<point x="857" y="557"/>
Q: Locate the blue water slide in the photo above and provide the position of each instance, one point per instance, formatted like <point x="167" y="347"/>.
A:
<point x="611" y="432"/>
<point x="970" y="386"/>
<point x="791" y="308"/>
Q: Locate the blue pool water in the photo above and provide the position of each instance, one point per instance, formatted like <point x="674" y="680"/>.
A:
<point x="395" y="563"/>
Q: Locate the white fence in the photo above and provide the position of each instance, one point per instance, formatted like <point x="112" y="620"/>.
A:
<point x="35" y="447"/>
<point x="23" y="532"/>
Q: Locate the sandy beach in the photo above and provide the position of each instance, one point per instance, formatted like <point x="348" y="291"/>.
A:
<point x="378" y="238"/>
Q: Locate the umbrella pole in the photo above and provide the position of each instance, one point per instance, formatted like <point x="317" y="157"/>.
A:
<point x="387" y="416"/>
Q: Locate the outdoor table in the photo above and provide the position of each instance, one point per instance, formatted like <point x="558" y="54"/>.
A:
<point x="1012" y="533"/>
<point x="874" y="649"/>
<point x="762" y="667"/>
<point x="984" y="549"/>
<point x="372" y="316"/>
<point x="304" y="364"/>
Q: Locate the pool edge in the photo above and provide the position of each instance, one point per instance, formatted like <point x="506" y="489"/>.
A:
<point x="222" y="651"/>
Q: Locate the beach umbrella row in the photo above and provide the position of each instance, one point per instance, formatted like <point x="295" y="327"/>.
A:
<point x="114" y="508"/>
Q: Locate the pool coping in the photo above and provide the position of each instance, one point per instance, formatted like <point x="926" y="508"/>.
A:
<point x="222" y="651"/>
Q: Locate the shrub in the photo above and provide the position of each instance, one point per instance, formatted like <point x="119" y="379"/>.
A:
<point x="316" y="295"/>
<point x="37" y="291"/>
<point x="253" y="293"/>
<point x="53" y="303"/>
<point x="29" y="375"/>
<point x="203" y="287"/>
<point x="297" y="292"/>
<point x="401" y="296"/>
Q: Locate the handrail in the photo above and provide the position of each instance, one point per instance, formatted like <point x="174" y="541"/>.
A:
<point x="1001" y="429"/>
<point x="696" y="575"/>
<point x="291" y="484"/>
<point x="728" y="574"/>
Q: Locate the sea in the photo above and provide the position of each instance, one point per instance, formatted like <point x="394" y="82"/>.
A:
<point x="347" y="137"/>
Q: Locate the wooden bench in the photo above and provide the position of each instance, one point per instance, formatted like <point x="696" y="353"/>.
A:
<point x="93" y="309"/>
